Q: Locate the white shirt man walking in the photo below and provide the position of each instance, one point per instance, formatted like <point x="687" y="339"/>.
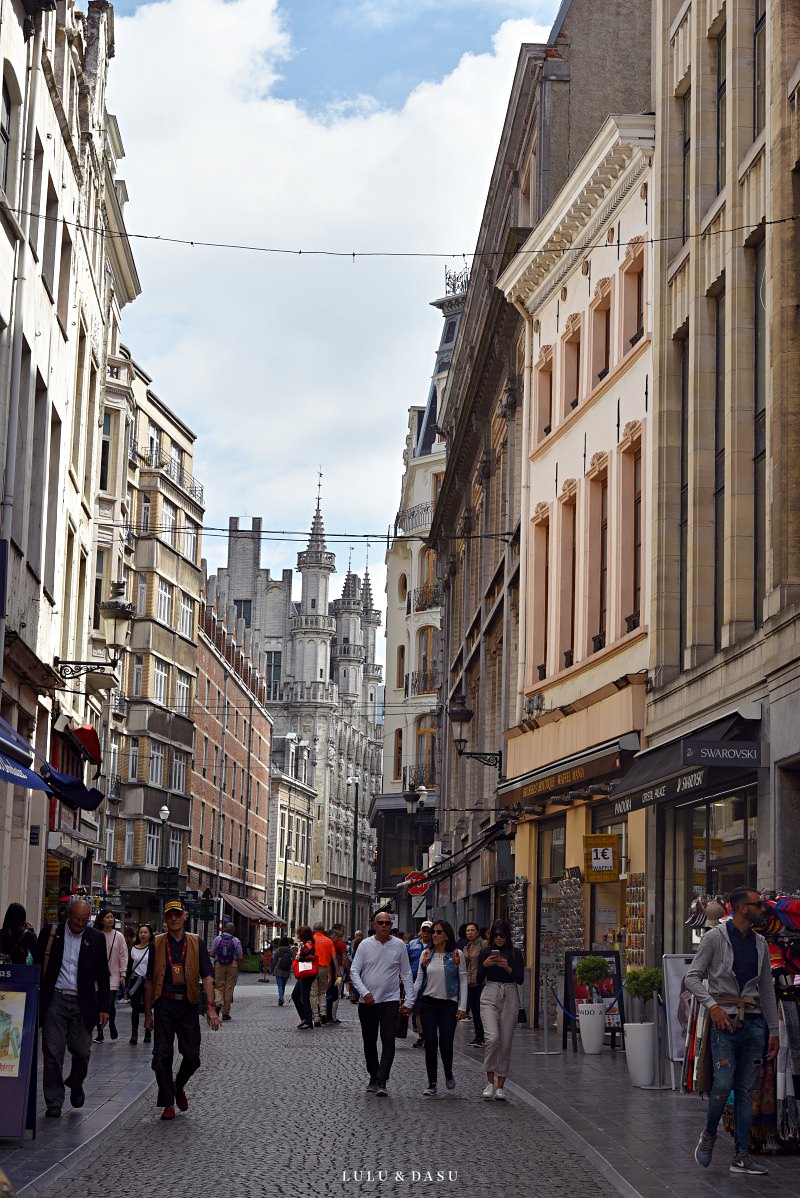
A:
<point x="380" y="964"/>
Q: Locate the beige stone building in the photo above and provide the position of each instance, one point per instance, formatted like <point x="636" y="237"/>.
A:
<point x="725" y="665"/>
<point x="583" y="282"/>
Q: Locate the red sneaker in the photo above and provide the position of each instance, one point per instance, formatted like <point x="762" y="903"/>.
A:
<point x="181" y="1101"/>
<point x="168" y="1112"/>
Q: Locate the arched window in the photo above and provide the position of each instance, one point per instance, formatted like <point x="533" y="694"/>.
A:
<point x="425" y="680"/>
<point x="425" y="750"/>
<point x="5" y="136"/>
<point x="400" y="679"/>
<point x="427" y="568"/>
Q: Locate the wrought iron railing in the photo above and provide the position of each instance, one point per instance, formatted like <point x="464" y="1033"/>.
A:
<point x="414" y="517"/>
<point x="424" y="682"/>
<point x="428" y="596"/>
<point x="415" y="776"/>
<point x="154" y="459"/>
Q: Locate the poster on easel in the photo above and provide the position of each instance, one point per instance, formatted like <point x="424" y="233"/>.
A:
<point x="678" y="1001"/>
<point x="19" y="1008"/>
<point x="609" y="987"/>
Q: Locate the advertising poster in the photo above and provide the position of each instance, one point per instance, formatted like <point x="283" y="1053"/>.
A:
<point x="12" y="1019"/>
<point x="678" y="1000"/>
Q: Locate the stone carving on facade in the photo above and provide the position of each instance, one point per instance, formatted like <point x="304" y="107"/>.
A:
<point x="598" y="463"/>
<point x="602" y="289"/>
<point x="541" y="511"/>
<point x="573" y="324"/>
<point x="545" y="356"/>
<point x="633" y="250"/>
<point x="569" y="488"/>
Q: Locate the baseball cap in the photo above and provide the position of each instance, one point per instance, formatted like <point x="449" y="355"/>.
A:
<point x="426" y="923"/>
<point x="173" y="905"/>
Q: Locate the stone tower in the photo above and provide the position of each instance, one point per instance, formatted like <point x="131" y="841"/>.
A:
<point x="372" y="671"/>
<point x="348" y="648"/>
<point x="312" y="626"/>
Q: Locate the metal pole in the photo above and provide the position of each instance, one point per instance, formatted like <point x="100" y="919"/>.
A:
<point x="547" y="1051"/>
<point x="355" y="865"/>
<point x="164" y="826"/>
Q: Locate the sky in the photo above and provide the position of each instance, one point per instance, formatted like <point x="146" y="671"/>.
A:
<point x="348" y="125"/>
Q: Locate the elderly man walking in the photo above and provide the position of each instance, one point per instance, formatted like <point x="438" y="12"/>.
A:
<point x="75" y="996"/>
<point x="326" y="957"/>
<point x="379" y="965"/>
<point x="226" y="953"/>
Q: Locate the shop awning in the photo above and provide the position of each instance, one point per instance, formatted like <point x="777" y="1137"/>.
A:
<point x="20" y="775"/>
<point x="663" y="773"/>
<point x="71" y="791"/>
<point x="570" y="773"/>
<point x="252" y="910"/>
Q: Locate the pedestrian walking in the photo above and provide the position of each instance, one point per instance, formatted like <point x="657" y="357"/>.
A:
<point x="138" y="961"/>
<point x="117" y="954"/>
<point x="351" y="952"/>
<point x="226" y="953"/>
<point x="178" y="985"/>
<point x="380" y="964"/>
<point x="326" y="961"/>
<point x="501" y="969"/>
<point x="415" y="948"/>
<point x="304" y="967"/>
<point x="282" y="958"/>
<point x="472" y="952"/>
<point x="461" y="939"/>
<point x="17" y="937"/>
<point x="441" y="991"/>
<point x="75" y="995"/>
<point x="739" y="996"/>
<point x="340" y="967"/>
<point x="265" y="964"/>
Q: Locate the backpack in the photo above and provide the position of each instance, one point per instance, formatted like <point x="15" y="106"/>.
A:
<point x="285" y="958"/>
<point x="226" y="949"/>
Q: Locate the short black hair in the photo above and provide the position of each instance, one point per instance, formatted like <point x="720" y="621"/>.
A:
<point x="739" y="895"/>
<point x="101" y="914"/>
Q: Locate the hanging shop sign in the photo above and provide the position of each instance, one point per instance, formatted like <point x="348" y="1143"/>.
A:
<point x="601" y="858"/>
<point x="661" y="792"/>
<point x="725" y="753"/>
<point x="570" y="778"/>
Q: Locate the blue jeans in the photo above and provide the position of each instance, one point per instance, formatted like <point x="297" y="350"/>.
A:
<point x="281" y="986"/>
<point x="737" y="1058"/>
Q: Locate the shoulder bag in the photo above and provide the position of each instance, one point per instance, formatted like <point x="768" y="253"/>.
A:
<point x="307" y="967"/>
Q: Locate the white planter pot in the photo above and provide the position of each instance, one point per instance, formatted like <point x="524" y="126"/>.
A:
<point x="640" y="1046"/>
<point x="592" y="1022"/>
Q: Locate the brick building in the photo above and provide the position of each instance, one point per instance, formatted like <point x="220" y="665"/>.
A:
<point x="230" y="809"/>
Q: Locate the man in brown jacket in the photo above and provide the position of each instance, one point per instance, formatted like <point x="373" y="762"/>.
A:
<point x="179" y="977"/>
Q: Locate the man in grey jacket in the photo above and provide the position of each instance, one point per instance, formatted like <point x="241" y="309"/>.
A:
<point x="740" y="999"/>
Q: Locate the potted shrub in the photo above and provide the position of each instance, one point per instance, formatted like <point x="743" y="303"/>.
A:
<point x="592" y="1015"/>
<point x="640" y="1038"/>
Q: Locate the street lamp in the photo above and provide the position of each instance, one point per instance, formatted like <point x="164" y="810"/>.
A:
<point x="460" y="716"/>
<point x="163" y="815"/>
<point x="414" y="797"/>
<point x="350" y="782"/>
<point x="115" y="621"/>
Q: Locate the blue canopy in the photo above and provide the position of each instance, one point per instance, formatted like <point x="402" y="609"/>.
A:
<point x="70" y="791"/>
<point x="12" y="771"/>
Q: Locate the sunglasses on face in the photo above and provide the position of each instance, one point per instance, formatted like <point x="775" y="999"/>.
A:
<point x="438" y="931"/>
<point x="383" y="923"/>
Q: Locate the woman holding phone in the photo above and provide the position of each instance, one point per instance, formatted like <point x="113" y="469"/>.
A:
<point x="441" y="991"/>
<point x="501" y="970"/>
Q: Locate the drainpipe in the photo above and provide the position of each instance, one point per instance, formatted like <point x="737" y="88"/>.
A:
<point x="20" y="287"/>
<point x="222" y="780"/>
<point x="524" y="511"/>
<point x="247" y="801"/>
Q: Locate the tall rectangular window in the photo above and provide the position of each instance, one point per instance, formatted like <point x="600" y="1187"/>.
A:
<point x="169" y="522"/>
<point x="722" y="108"/>
<point x="544" y="400"/>
<point x="144" y="519"/>
<point x="187" y="615"/>
<point x="190" y="539"/>
<point x="183" y="692"/>
<point x="156" y="771"/>
<point x="133" y="758"/>
<point x="99" y="586"/>
<point x="179" y="761"/>
<point x="541" y="597"/>
<point x="64" y="277"/>
<point x="175" y="846"/>
<point x="130" y="841"/>
<point x="686" y="183"/>
<point x="151" y="848"/>
<point x="244" y="610"/>
<point x="572" y="373"/>
<point x="161" y="682"/>
<point x="719" y="469"/>
<point x="683" y="540"/>
<point x="636" y="612"/>
<point x="164" y="601"/>
<point x="602" y="623"/>
<point x="759" y="67"/>
<point x="760" y="431"/>
<point x="273" y="674"/>
<point x="141" y="593"/>
<point x="205" y="757"/>
<point x="137" y="675"/>
<point x="568" y="596"/>
<point x="398" y="753"/>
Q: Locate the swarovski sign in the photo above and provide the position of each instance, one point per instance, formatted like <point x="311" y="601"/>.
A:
<point x="725" y="753"/>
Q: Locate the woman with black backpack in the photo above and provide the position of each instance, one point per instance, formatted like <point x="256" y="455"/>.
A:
<point x="282" y="957"/>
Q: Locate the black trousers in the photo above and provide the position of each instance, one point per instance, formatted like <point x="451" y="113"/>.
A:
<point x="173" y="1019"/>
<point x="474" y="1009"/>
<point x="439" y="1028"/>
<point x="301" y="997"/>
<point x="112" y="1015"/>
<point x="375" y="1018"/>
<point x="137" y="1006"/>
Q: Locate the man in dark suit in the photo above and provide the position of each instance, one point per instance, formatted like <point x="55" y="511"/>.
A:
<point x="75" y="995"/>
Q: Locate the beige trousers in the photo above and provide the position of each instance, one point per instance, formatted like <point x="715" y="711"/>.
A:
<point x="499" y="1012"/>
<point x="225" y="978"/>
<point x="319" y="988"/>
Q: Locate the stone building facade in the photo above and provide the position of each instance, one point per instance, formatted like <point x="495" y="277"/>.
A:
<point x="322" y="687"/>
<point x="230" y="782"/>
<point x="63" y="284"/>
<point x="726" y="582"/>
<point x="561" y="94"/>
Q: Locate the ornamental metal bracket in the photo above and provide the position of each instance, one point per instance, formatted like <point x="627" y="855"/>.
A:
<point x="490" y="759"/>
<point x="77" y="669"/>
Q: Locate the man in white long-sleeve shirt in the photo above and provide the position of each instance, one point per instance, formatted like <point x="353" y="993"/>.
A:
<point x="380" y="964"/>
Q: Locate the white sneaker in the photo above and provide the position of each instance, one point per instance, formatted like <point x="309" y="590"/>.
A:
<point x="500" y="1094"/>
<point x="488" y="1090"/>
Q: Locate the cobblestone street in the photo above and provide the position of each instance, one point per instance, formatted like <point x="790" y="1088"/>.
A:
<point x="278" y="1112"/>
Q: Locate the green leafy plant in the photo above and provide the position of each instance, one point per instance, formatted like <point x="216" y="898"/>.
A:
<point x="591" y="970"/>
<point x="642" y="984"/>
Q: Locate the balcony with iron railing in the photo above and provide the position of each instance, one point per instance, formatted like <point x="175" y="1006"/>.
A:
<point x="422" y="682"/>
<point x="415" y="776"/>
<point x="428" y="596"/>
<point x="118" y="704"/>
<point x="154" y="459"/>
<point x="412" y="518"/>
<point x="114" y="787"/>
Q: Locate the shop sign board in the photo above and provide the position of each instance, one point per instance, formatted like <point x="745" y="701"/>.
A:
<point x="609" y="987"/>
<point x="661" y="792"/>
<point x="725" y="753"/>
<point x="601" y="857"/>
<point x="19" y="1005"/>
<point x="565" y="779"/>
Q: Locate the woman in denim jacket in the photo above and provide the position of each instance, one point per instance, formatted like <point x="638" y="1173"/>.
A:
<point x="441" y="990"/>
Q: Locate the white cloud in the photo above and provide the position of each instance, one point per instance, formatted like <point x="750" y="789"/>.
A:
<point x="282" y="363"/>
<point x="385" y="14"/>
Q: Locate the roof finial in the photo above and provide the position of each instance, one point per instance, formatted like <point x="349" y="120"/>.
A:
<point x="319" y="486"/>
<point x="350" y="560"/>
<point x="366" y="563"/>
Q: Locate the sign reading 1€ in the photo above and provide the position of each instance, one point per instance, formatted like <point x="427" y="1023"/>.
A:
<point x="601" y="858"/>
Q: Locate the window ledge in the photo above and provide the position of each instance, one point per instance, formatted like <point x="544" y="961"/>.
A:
<point x="752" y="155"/>
<point x="9" y="219"/>
<point x="714" y="210"/>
